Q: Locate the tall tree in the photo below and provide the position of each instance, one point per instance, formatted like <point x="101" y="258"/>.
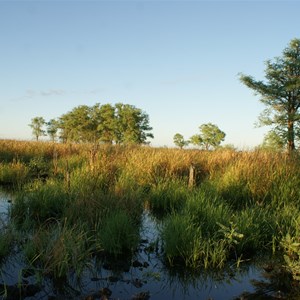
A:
<point x="52" y="129"/>
<point x="179" y="140"/>
<point x="107" y="122"/>
<point x="37" y="124"/>
<point x="132" y="125"/>
<point x="280" y="93"/>
<point x="211" y="135"/>
<point x="78" y="125"/>
<point x="122" y="124"/>
<point x="273" y="141"/>
<point x="196" y="140"/>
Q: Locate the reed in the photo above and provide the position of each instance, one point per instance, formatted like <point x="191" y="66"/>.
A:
<point x="119" y="234"/>
<point x="168" y="196"/>
<point x="208" y="209"/>
<point x="13" y="173"/>
<point x="184" y="244"/>
<point x="58" y="249"/>
<point x="258" y="227"/>
<point x="6" y="241"/>
<point x="39" y="202"/>
<point x="242" y="202"/>
<point x="290" y="245"/>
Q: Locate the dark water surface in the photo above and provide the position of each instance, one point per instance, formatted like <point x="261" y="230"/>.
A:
<point x="145" y="276"/>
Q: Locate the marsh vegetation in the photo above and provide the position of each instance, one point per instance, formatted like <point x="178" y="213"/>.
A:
<point x="77" y="207"/>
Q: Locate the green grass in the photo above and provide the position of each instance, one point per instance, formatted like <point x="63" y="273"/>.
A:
<point x="6" y="242"/>
<point x="243" y="203"/>
<point x="13" y="173"/>
<point x="184" y="244"/>
<point x="57" y="249"/>
<point x="119" y="234"/>
<point x="39" y="202"/>
<point x="168" y="197"/>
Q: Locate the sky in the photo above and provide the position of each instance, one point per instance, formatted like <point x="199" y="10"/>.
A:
<point x="179" y="61"/>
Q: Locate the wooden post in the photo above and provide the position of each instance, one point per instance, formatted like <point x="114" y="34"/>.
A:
<point x="192" y="176"/>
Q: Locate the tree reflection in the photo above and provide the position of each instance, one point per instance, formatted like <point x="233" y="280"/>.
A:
<point x="276" y="283"/>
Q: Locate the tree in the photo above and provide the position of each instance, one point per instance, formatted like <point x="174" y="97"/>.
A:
<point x="196" y="140"/>
<point x="37" y="124"/>
<point x="280" y="93"/>
<point x="179" y="140"/>
<point x="132" y="125"/>
<point x="107" y="122"/>
<point x="121" y="124"/>
<point x="78" y="125"/>
<point x="52" y="129"/>
<point x="273" y="141"/>
<point x="211" y="135"/>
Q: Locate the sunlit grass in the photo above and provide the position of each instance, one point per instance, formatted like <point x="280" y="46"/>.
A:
<point x="242" y="203"/>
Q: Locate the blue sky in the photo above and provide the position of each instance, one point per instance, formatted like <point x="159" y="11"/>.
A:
<point x="177" y="60"/>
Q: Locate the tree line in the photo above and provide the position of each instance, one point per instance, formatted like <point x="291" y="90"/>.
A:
<point x="119" y="124"/>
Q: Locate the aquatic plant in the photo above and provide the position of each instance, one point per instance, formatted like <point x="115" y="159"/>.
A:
<point x="168" y="196"/>
<point x="39" y="202"/>
<point x="119" y="234"/>
<point x="185" y="245"/>
<point x="207" y="209"/>
<point x="290" y="244"/>
<point x="6" y="241"/>
<point x="98" y="192"/>
<point x="13" y="173"/>
<point x="57" y="249"/>
<point x="258" y="227"/>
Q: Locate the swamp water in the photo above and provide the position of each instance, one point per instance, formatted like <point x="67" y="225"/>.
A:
<point x="144" y="276"/>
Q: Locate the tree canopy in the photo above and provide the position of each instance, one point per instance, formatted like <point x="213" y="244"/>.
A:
<point x="179" y="140"/>
<point x="280" y="93"/>
<point x="120" y="124"/>
<point x="37" y="124"/>
<point x="272" y="141"/>
<point x="210" y="136"/>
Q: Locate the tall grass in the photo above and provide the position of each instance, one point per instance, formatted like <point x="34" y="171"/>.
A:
<point x="55" y="250"/>
<point x="13" y="173"/>
<point x="119" y="234"/>
<point x="39" y="202"/>
<point x="185" y="244"/>
<point x="242" y="202"/>
<point x="6" y="241"/>
<point x="168" y="196"/>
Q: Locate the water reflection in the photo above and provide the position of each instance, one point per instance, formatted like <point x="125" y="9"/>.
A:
<point x="274" y="283"/>
<point x="144" y="276"/>
<point x="5" y="202"/>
